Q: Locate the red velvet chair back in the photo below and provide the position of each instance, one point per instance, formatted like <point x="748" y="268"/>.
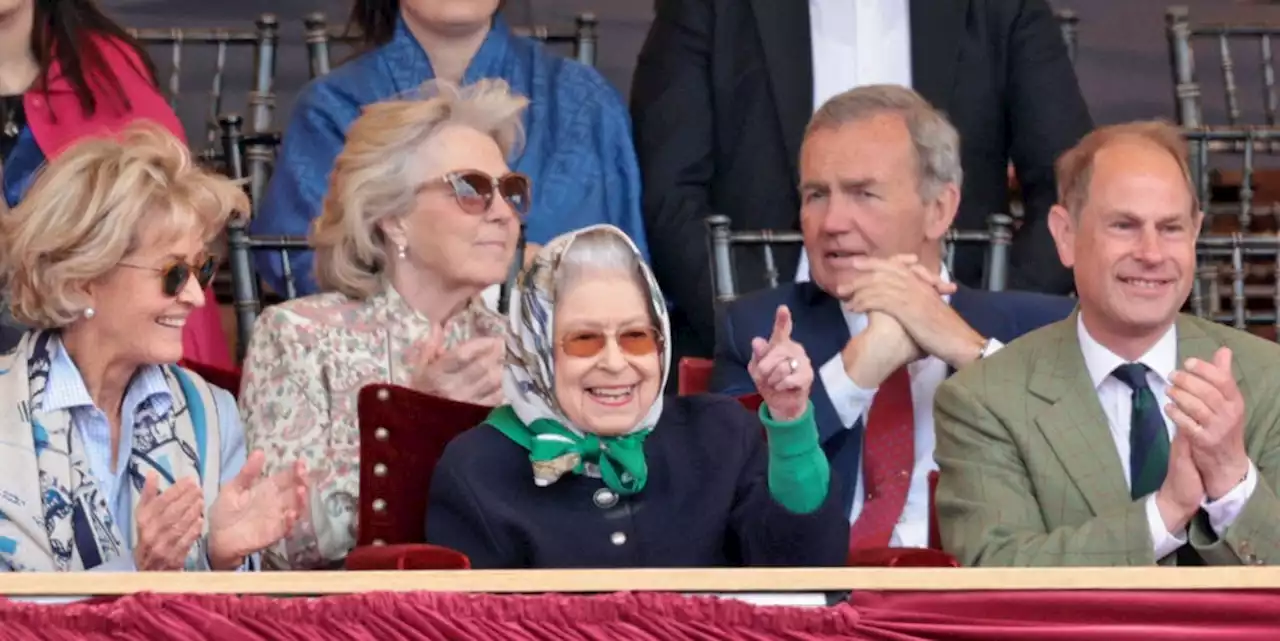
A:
<point x="403" y="432"/>
<point x="694" y="376"/>
<point x="226" y="379"/>
<point x="935" y="534"/>
<point x="751" y="401"/>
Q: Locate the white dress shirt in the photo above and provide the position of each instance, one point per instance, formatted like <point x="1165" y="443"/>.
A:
<point x="857" y="43"/>
<point x="853" y="403"/>
<point x="1117" y="402"/>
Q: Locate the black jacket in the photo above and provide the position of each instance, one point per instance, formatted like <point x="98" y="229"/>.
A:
<point x="706" y="503"/>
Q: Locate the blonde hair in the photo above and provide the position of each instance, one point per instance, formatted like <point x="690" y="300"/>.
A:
<point x="88" y="208"/>
<point x="377" y="175"/>
<point x="1074" y="169"/>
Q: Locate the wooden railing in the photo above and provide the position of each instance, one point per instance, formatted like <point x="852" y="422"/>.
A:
<point x="779" y="580"/>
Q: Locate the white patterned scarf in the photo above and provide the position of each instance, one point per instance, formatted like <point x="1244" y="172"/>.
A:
<point x="528" y="380"/>
<point x="53" y="516"/>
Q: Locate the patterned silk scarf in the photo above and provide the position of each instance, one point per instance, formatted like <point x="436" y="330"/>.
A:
<point x="53" y="517"/>
<point x="534" y="419"/>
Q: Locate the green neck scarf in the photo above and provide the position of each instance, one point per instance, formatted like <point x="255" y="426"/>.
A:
<point x="555" y="449"/>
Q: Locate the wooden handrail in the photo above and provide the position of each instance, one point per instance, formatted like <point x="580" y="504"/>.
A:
<point x="684" y="581"/>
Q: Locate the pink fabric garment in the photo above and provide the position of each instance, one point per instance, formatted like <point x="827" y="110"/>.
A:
<point x="57" y="121"/>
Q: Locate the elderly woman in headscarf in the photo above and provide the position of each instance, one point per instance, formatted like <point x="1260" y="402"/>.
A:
<point x="113" y="458"/>
<point x="589" y="466"/>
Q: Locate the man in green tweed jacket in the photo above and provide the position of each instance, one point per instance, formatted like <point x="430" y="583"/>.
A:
<point x="1127" y="434"/>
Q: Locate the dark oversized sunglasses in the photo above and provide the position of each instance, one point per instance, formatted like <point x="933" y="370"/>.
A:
<point x="474" y="190"/>
<point x="640" y="341"/>
<point x="174" y="276"/>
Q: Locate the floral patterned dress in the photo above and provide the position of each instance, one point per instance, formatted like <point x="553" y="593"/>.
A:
<point x="307" y="361"/>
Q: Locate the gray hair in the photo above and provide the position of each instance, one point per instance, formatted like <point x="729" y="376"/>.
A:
<point x="936" y="141"/>
<point x="594" y="251"/>
<point x="377" y="174"/>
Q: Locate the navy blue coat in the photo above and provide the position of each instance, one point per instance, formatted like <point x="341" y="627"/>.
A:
<point x="706" y="503"/>
<point x="819" y="325"/>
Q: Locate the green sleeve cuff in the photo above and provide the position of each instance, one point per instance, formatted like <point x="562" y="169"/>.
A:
<point x="799" y="475"/>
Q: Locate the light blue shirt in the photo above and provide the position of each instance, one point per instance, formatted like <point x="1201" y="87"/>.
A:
<point x="66" y="390"/>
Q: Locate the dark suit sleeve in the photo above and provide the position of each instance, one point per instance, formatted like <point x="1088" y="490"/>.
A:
<point x="768" y="534"/>
<point x="729" y="375"/>
<point x="1047" y="115"/>
<point x="672" y="115"/>
<point x="456" y="520"/>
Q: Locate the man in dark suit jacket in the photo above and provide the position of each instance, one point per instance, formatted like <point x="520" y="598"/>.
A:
<point x="880" y="185"/>
<point x="723" y="90"/>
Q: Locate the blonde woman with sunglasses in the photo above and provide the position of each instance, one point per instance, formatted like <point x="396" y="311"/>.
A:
<point x="113" y="458"/>
<point x="422" y="215"/>
<point x="589" y="466"/>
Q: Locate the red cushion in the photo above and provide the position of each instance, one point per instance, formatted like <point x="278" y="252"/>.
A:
<point x="403" y="432"/>
<point x="694" y="376"/>
<point x="227" y="379"/>
<point x="417" y="556"/>
<point x="751" y="401"/>
<point x="935" y="534"/>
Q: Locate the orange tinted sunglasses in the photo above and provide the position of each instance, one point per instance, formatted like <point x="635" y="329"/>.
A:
<point x="640" y="341"/>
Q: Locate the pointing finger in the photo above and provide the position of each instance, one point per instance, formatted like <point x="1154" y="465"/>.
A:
<point x="781" y="326"/>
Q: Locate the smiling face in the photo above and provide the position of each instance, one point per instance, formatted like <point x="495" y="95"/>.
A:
<point x="132" y="314"/>
<point x="606" y="386"/>
<point x="859" y="193"/>
<point x="1132" y="244"/>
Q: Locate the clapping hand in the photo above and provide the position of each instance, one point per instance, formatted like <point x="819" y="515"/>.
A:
<point x="1182" y="491"/>
<point x="1206" y="405"/>
<point x="470" y="372"/>
<point x="781" y="370"/>
<point x="169" y="523"/>
<point x="252" y="512"/>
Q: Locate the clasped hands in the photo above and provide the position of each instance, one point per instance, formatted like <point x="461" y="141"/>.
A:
<point x="1207" y="458"/>
<point x="249" y="514"/>
<point x="907" y="319"/>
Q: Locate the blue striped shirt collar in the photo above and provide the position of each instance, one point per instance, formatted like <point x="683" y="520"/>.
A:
<point x="66" y="389"/>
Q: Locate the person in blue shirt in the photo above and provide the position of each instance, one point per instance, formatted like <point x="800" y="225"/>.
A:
<point x="113" y="457"/>
<point x="578" y="150"/>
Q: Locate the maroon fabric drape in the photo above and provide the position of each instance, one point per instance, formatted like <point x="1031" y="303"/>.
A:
<point x="986" y="616"/>
<point x="422" y="616"/>
<point x="1062" y="615"/>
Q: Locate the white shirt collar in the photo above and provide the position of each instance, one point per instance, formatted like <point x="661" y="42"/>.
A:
<point x="1161" y="359"/>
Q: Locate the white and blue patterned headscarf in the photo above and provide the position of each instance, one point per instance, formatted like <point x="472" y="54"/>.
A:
<point x="529" y="379"/>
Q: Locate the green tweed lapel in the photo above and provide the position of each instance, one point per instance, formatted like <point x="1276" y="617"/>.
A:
<point x="1074" y="425"/>
<point x="1195" y="342"/>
